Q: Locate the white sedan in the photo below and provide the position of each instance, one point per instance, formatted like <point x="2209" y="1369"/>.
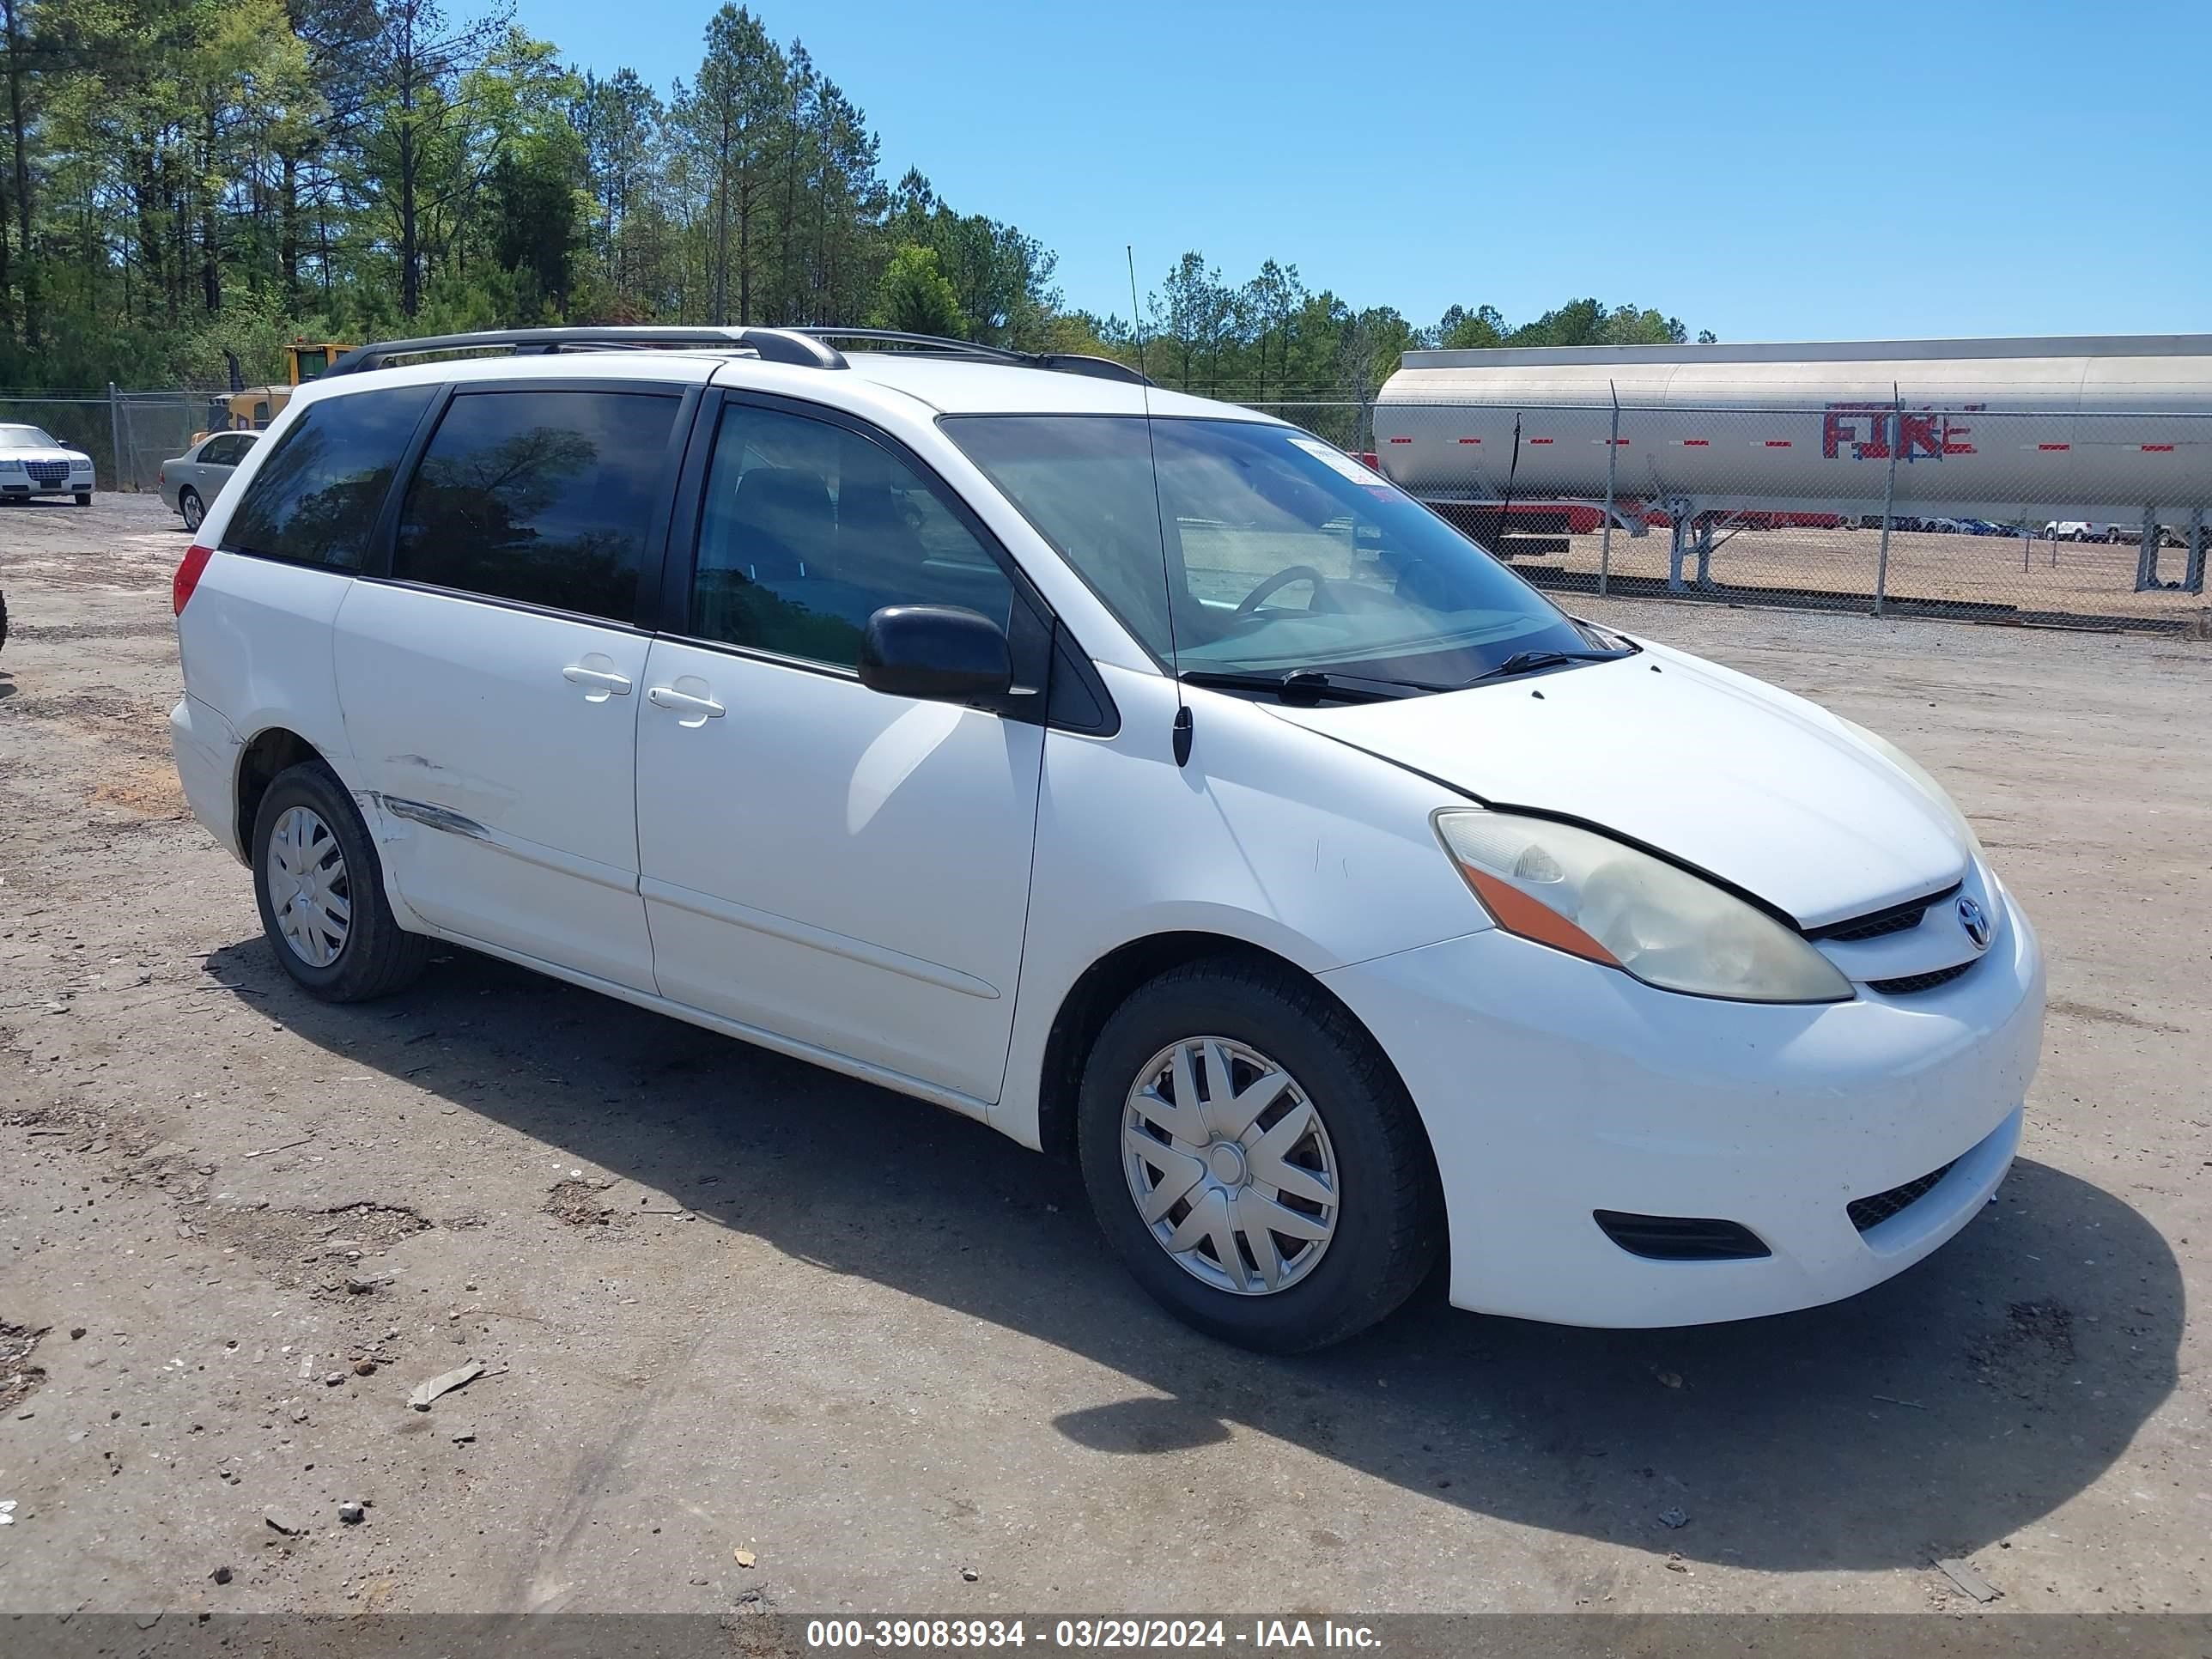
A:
<point x="34" y="462"/>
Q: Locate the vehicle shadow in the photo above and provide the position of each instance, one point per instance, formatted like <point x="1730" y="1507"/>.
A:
<point x="1944" y="1410"/>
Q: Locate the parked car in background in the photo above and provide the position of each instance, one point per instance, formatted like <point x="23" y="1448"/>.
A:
<point x="34" y="462"/>
<point x="195" y="479"/>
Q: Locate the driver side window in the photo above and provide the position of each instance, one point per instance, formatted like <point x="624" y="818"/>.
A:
<point x="808" y="529"/>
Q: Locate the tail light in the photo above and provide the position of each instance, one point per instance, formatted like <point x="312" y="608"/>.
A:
<point x="161" y="475"/>
<point x="189" y="569"/>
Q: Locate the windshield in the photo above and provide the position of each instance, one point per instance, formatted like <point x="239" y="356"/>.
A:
<point x="1279" y="553"/>
<point x="27" y="437"/>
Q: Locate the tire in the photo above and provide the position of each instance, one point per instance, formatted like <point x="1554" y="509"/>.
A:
<point x="372" y="955"/>
<point x="3" y="619"/>
<point x="84" y="498"/>
<point x="1385" y="1227"/>
<point x="189" y="507"/>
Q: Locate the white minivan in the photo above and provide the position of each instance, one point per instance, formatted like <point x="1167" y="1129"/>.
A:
<point x="1139" y="775"/>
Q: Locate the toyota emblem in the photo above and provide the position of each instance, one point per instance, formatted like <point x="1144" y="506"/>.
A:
<point x="1976" y="921"/>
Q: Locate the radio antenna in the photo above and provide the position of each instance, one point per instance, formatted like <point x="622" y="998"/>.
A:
<point x="1182" y="733"/>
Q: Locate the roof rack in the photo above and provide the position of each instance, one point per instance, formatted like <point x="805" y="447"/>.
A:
<point x="805" y="347"/>
<point x="1065" y="362"/>
<point x="775" y="345"/>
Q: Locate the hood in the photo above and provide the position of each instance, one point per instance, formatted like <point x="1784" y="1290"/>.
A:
<point x="1736" y="778"/>
<point x="42" y="453"/>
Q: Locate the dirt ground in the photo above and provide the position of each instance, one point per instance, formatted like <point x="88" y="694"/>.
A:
<point x="728" y="1303"/>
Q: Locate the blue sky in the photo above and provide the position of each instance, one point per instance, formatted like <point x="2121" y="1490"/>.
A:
<point x="1796" y="169"/>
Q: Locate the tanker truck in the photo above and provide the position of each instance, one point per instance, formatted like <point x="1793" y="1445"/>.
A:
<point x="1520" y="445"/>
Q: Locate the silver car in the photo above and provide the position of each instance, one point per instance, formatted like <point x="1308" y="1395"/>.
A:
<point x="191" y="482"/>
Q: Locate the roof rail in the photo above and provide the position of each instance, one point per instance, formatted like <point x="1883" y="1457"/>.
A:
<point x="1065" y="362"/>
<point x="775" y="345"/>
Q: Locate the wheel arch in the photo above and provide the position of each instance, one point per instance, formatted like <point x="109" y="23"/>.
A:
<point x="271" y="751"/>
<point x="1110" y="980"/>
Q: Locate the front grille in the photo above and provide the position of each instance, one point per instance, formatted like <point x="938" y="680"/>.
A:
<point x="1881" y="927"/>
<point x="47" y="472"/>
<point x="1880" y="924"/>
<point x="1679" y="1237"/>
<point x="1867" y="1213"/>
<point x="1915" y="983"/>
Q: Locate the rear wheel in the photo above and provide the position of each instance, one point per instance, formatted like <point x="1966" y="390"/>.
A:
<point x="320" y="889"/>
<point x="188" y="504"/>
<point x="1253" y="1159"/>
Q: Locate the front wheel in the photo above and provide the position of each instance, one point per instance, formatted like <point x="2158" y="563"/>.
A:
<point x="320" y="889"/>
<point x="188" y="504"/>
<point x="84" y="498"/>
<point x="1253" y="1159"/>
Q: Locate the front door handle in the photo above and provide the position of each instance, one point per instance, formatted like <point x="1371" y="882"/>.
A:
<point x="683" y="702"/>
<point x="605" y="682"/>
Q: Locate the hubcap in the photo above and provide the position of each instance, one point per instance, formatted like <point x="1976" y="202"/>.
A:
<point x="191" y="513"/>
<point x="1230" y="1165"/>
<point x="307" y="890"/>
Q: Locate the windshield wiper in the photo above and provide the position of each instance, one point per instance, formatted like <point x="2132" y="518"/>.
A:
<point x="1527" y="662"/>
<point x="1305" y="687"/>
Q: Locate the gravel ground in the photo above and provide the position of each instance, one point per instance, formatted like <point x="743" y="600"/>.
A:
<point x="727" y="1303"/>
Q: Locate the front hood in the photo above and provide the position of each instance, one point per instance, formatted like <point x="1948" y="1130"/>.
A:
<point x="74" y="456"/>
<point x="1736" y="778"/>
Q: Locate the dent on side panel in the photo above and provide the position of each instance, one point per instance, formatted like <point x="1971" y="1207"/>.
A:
<point x="1272" y="836"/>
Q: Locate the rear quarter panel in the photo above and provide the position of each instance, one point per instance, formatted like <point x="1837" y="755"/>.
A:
<point x="255" y="638"/>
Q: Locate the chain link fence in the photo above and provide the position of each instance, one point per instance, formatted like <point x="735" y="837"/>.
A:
<point x="2028" y="516"/>
<point x="127" y="433"/>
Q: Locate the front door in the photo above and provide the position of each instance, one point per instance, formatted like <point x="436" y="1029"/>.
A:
<point x="843" y="869"/>
<point x="491" y="682"/>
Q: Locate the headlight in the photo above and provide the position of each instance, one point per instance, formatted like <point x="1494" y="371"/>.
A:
<point x="1920" y="775"/>
<point x="1593" y="897"/>
<point x="6" y="465"/>
<point x="80" y="466"/>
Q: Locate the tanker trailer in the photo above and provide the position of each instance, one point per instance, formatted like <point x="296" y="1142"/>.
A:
<point x="2022" y="431"/>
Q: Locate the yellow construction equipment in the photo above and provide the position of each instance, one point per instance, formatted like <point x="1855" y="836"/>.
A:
<point x="249" y="408"/>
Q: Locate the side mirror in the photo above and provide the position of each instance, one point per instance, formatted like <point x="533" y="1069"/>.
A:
<point x="936" y="653"/>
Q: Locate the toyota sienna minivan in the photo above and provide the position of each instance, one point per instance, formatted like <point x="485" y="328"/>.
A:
<point x="1139" y="775"/>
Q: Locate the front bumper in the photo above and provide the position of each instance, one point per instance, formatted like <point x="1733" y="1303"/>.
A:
<point x="16" y="487"/>
<point x="1552" y="1088"/>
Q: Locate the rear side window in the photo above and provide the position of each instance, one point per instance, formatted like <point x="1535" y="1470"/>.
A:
<point x="316" y="498"/>
<point x="545" y="497"/>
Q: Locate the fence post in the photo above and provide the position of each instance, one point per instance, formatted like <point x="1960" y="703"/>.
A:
<point x="1612" y="461"/>
<point x="2192" y="580"/>
<point x="1889" y="497"/>
<point x="2147" y="553"/>
<point x="114" y="439"/>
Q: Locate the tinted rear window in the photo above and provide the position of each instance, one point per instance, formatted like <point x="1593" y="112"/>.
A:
<point x="546" y="497"/>
<point x="316" y="498"/>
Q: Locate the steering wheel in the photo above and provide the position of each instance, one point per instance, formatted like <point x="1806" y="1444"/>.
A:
<point x="1297" y="573"/>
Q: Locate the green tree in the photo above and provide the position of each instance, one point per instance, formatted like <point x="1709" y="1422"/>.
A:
<point x="731" y="119"/>
<point x="916" y="296"/>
